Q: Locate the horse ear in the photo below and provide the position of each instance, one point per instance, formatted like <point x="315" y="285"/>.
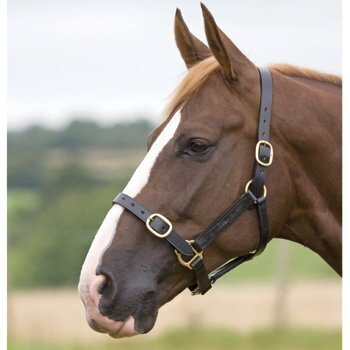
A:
<point x="230" y="58"/>
<point x="191" y="48"/>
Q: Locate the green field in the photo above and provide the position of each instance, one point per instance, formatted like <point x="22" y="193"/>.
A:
<point x="205" y="339"/>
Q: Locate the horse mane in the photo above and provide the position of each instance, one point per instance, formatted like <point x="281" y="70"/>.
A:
<point x="200" y="72"/>
<point x="293" y="71"/>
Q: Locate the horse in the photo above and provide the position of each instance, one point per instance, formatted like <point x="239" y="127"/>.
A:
<point x="235" y="138"/>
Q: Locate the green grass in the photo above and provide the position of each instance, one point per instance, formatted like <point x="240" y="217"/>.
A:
<point x="205" y="339"/>
<point x="21" y="200"/>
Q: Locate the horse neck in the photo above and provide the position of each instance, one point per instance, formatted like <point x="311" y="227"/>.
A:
<point x="306" y="124"/>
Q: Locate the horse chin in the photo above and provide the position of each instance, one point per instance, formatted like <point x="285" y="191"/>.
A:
<point x="134" y="325"/>
<point x="139" y="321"/>
<point x="126" y="330"/>
<point x="145" y="317"/>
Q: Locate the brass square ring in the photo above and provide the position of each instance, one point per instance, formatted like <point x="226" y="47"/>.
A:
<point x="257" y="147"/>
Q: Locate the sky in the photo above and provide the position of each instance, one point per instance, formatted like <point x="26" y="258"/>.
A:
<point x="117" y="60"/>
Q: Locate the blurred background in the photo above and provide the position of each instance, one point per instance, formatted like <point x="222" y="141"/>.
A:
<point x="87" y="81"/>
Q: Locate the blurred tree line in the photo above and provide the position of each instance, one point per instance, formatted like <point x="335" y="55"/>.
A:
<point x="60" y="187"/>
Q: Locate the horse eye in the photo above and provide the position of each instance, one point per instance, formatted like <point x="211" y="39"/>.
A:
<point x="197" y="147"/>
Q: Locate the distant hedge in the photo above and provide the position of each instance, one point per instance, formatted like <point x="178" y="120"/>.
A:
<point x="28" y="149"/>
<point x="57" y="201"/>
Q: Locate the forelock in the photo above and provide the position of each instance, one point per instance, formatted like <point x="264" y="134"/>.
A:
<point x="192" y="81"/>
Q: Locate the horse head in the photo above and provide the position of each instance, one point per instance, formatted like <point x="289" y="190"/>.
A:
<point x="199" y="160"/>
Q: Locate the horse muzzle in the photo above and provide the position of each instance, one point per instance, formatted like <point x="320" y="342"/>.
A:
<point x="105" y="313"/>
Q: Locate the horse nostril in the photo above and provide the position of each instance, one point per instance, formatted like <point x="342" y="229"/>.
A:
<point x="97" y="287"/>
<point x="103" y="289"/>
<point x="104" y="285"/>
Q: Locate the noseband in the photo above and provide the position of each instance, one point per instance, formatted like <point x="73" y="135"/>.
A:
<point x="190" y="252"/>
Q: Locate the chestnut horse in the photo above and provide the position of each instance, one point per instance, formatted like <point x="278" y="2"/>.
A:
<point x="199" y="162"/>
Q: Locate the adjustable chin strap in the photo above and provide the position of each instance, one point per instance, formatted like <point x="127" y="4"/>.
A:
<point x="190" y="252"/>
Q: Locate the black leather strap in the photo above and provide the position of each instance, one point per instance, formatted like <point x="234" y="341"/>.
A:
<point x="231" y="264"/>
<point x="263" y="226"/>
<point x="264" y="151"/>
<point x="223" y="221"/>
<point x="157" y="224"/>
<point x="203" y="282"/>
<point x="265" y="103"/>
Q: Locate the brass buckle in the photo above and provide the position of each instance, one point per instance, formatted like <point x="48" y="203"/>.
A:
<point x="188" y="263"/>
<point x="157" y="234"/>
<point x="247" y="188"/>
<point x="257" y="147"/>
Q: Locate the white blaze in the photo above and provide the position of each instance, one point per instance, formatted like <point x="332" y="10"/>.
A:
<point x="107" y="230"/>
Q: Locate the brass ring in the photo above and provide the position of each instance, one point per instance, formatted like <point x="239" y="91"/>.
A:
<point x="247" y="188"/>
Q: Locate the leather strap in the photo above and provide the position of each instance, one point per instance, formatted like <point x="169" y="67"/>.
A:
<point x="263" y="151"/>
<point x="263" y="225"/>
<point x="157" y="224"/>
<point x="223" y="221"/>
<point x="203" y="282"/>
<point x="265" y="103"/>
